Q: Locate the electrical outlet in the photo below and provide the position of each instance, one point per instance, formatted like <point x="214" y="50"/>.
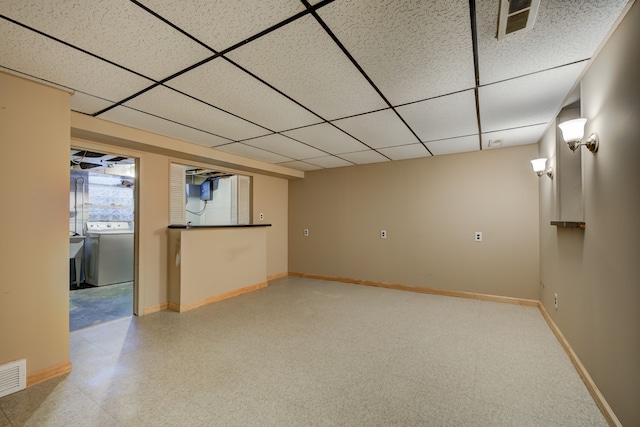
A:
<point x="261" y="216"/>
<point x="306" y="232"/>
<point x="555" y="300"/>
<point x="478" y="236"/>
<point x="383" y="234"/>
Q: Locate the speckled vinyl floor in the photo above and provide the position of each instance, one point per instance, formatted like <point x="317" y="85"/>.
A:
<point x="90" y="305"/>
<point x="305" y="352"/>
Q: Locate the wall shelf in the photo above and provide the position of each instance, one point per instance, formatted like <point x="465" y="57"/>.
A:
<point x="569" y="224"/>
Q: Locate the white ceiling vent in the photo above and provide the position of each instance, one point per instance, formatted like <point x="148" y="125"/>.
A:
<point x="516" y="16"/>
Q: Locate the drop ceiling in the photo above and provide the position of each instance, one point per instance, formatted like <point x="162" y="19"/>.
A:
<point x="310" y="84"/>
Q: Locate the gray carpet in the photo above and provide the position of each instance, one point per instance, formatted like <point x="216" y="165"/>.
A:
<point x="305" y="352"/>
<point x="91" y="306"/>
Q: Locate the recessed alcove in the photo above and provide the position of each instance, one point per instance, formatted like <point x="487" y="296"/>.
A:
<point x="569" y="204"/>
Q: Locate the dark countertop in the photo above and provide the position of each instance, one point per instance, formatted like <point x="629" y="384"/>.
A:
<point x="194" y="227"/>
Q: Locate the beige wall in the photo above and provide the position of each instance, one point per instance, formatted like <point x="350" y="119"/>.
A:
<point x="34" y="304"/>
<point x="35" y="128"/>
<point x="430" y="208"/>
<point x="596" y="272"/>
<point x="213" y="263"/>
<point x="270" y="196"/>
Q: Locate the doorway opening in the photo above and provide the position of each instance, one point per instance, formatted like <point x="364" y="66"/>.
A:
<point x="102" y="195"/>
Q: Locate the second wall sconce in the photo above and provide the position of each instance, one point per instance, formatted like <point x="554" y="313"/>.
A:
<point x="573" y="132"/>
<point x="540" y="167"/>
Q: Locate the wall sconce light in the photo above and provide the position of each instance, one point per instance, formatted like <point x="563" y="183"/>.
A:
<point x="573" y="132"/>
<point x="540" y="167"/>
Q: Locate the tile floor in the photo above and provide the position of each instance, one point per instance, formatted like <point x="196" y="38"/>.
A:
<point x="305" y="352"/>
<point x="91" y="305"/>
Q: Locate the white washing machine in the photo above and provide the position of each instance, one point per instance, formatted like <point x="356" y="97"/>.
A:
<point x="108" y="253"/>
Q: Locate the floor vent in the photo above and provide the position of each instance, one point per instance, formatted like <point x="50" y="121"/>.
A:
<point x="516" y="16"/>
<point x="13" y="377"/>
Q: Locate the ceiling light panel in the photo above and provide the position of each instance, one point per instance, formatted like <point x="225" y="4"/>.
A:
<point x="130" y="117"/>
<point x="222" y="24"/>
<point x="564" y="32"/>
<point x="364" y="157"/>
<point x="27" y="52"/>
<point x="116" y="30"/>
<point x="380" y="129"/>
<point x="327" y="138"/>
<point x="253" y="153"/>
<point x="285" y="146"/>
<point x="412" y="50"/>
<point x="527" y="100"/>
<point x="302" y="166"/>
<point x="512" y="137"/>
<point x="454" y="145"/>
<point x="224" y="85"/>
<point x="443" y="117"/>
<point x="301" y="60"/>
<point x="87" y="104"/>
<point x="404" y="152"/>
<point x="329" y="162"/>
<point x="171" y="105"/>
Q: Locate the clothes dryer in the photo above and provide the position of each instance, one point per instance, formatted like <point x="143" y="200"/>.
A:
<point x="108" y="253"/>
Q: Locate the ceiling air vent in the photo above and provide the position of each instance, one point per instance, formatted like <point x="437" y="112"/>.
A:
<point x="516" y="16"/>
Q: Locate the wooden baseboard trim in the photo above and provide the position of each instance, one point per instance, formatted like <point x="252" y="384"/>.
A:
<point x="424" y="290"/>
<point x="48" y="373"/>
<point x="186" y="307"/>
<point x="277" y="276"/>
<point x="156" y="308"/>
<point x="602" y="403"/>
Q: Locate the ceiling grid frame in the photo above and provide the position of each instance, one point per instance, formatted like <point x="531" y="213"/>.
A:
<point x="28" y="14"/>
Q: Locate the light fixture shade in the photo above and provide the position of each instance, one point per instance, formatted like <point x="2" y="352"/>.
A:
<point x="572" y="130"/>
<point x="539" y="165"/>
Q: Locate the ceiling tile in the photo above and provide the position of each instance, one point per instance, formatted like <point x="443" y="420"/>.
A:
<point x="513" y="137"/>
<point x="87" y="104"/>
<point x="221" y="24"/>
<point x="454" y="145"/>
<point x="171" y="105"/>
<point x="253" y="153"/>
<point x="379" y="129"/>
<point x="564" y="32"/>
<point x="116" y="30"/>
<point x="443" y="117"/>
<point x="137" y="119"/>
<point x="363" y="157"/>
<point x="302" y="166"/>
<point x="285" y="146"/>
<point x="27" y="52"/>
<point x="527" y="100"/>
<point x="326" y="138"/>
<point x="226" y="86"/>
<point x="412" y="50"/>
<point x="302" y="60"/>
<point x="404" y="152"/>
<point x="329" y="162"/>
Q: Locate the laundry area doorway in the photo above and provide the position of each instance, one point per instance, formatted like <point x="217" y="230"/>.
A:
<point x="102" y="195"/>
